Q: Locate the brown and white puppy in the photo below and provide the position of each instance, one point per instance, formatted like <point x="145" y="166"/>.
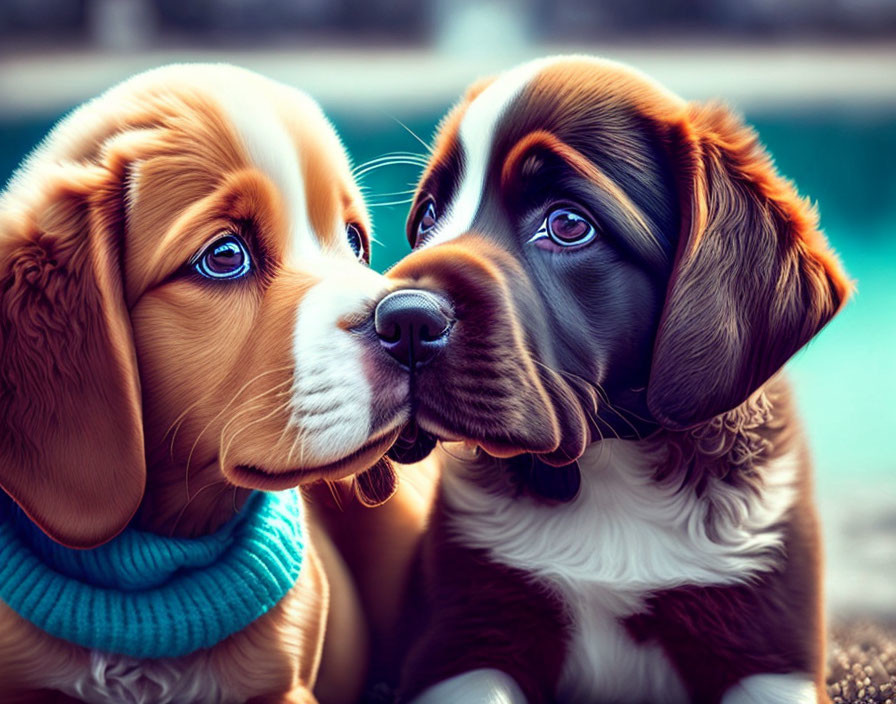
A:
<point x="182" y="269"/>
<point x="606" y="281"/>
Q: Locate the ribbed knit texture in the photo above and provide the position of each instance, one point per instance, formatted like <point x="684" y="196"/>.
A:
<point x="149" y="596"/>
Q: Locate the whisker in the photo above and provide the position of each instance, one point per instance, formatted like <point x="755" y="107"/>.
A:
<point x="302" y="435"/>
<point x="394" y="156"/>
<point x="394" y="162"/>
<point x="391" y="202"/>
<point x="243" y="388"/>
<point x="299" y="438"/>
<point x="223" y="450"/>
<point x="362" y="174"/>
<point x="390" y="155"/>
<point x="190" y="500"/>
<point x="236" y="415"/>
<point x="450" y="454"/>
<point x="413" y="134"/>
<point x="286" y="426"/>
<point x="179" y="421"/>
<point x="594" y="387"/>
<point x="406" y="192"/>
<point x="622" y="414"/>
<point x="226" y="406"/>
<point x="337" y="499"/>
<point x="246" y="409"/>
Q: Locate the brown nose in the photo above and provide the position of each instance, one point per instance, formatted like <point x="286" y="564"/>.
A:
<point x="413" y="325"/>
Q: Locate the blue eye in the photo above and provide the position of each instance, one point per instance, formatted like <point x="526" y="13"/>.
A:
<point x="225" y="258"/>
<point x="565" y="227"/>
<point x="356" y="241"/>
<point x="426" y="222"/>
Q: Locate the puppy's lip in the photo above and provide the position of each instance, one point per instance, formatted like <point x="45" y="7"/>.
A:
<point x="256" y="477"/>
<point x="496" y="447"/>
<point x="437" y="428"/>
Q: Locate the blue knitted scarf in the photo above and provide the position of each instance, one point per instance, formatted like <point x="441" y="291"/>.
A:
<point x="149" y="596"/>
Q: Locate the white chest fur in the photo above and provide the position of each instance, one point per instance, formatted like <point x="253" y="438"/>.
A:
<point x="624" y="537"/>
<point x="125" y="680"/>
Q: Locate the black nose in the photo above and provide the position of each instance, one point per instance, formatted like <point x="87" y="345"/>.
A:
<point x="413" y="325"/>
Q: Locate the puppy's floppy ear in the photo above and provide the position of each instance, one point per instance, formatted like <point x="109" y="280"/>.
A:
<point x="71" y="436"/>
<point x="753" y="281"/>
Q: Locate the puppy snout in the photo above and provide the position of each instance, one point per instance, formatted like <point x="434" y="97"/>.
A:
<point x="413" y="325"/>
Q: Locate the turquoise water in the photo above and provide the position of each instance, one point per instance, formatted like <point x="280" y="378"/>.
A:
<point x="845" y="378"/>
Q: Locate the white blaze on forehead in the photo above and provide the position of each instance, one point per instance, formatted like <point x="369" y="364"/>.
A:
<point x="331" y="395"/>
<point x="476" y="136"/>
<point x="273" y="151"/>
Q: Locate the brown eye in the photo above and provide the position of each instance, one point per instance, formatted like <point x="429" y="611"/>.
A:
<point x="225" y="258"/>
<point x="566" y="227"/>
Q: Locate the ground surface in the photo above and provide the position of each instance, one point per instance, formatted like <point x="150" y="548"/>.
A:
<point x="862" y="663"/>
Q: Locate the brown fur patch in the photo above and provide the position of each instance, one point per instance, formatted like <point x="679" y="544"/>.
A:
<point x="483" y="615"/>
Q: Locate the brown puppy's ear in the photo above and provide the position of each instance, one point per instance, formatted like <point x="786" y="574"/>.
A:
<point x="753" y="281"/>
<point x="71" y="436"/>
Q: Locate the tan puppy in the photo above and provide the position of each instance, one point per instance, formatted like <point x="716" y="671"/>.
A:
<point x="184" y="317"/>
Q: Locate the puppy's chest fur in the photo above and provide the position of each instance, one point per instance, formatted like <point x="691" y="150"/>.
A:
<point x="118" y="678"/>
<point x="31" y="660"/>
<point x="626" y="536"/>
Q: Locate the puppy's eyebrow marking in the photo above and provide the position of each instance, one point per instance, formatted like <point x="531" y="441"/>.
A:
<point x="476" y="135"/>
<point x="271" y="149"/>
<point x="619" y="201"/>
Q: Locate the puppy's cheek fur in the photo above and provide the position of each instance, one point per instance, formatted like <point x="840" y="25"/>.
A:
<point x="336" y="405"/>
<point x="331" y="397"/>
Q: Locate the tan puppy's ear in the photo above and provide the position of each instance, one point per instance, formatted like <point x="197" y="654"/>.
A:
<point x="71" y="436"/>
<point x="753" y="281"/>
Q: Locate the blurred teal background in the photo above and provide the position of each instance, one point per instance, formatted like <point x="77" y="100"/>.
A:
<point x="819" y="85"/>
